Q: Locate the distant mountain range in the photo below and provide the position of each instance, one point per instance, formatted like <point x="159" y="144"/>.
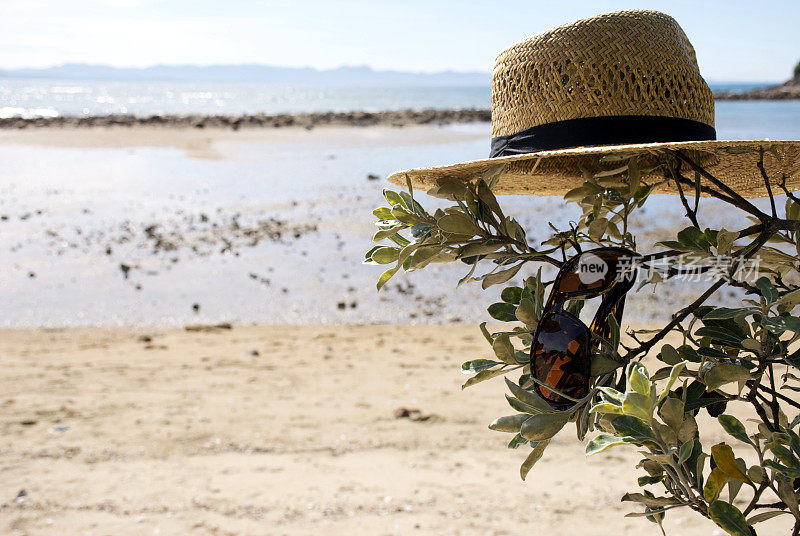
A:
<point x="253" y="73"/>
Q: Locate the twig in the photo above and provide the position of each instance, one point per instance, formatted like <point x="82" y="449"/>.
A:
<point x="760" y="165"/>
<point x="691" y="214"/>
<point x="737" y="199"/>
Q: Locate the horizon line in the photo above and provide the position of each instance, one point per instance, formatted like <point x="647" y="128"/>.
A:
<point x="309" y="67"/>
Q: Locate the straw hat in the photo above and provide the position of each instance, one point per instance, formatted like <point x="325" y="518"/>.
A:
<point x="620" y="83"/>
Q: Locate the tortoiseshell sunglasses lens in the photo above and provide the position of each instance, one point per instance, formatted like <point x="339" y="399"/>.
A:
<point x="595" y="271"/>
<point x="560" y="358"/>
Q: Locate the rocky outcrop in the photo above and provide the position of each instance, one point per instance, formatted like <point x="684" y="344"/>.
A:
<point x="788" y="90"/>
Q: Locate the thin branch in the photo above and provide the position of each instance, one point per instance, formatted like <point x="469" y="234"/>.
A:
<point x="737" y="199"/>
<point x="686" y="311"/>
<point x="691" y="214"/>
<point x="789" y="194"/>
<point x="760" y="165"/>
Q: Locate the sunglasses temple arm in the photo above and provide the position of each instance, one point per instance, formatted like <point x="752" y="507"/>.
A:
<point x="613" y="303"/>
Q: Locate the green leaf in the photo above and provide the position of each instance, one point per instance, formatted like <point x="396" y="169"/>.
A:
<point x="520" y="406"/>
<point x="605" y="441"/>
<point x="500" y="277"/>
<point x="714" y="484"/>
<point x="669" y="355"/>
<point x="385" y="276"/>
<point x="483" y="376"/>
<point x="652" y="502"/>
<point x="526" y="312"/>
<point x="457" y="223"/>
<point x="383" y="213"/>
<point x="672" y="413"/>
<point x="639" y="380"/>
<point x="755" y="473"/>
<point x="387" y="233"/>
<point x="543" y="426"/>
<point x="734" y="427"/>
<point x="729" y="518"/>
<point x="503" y="349"/>
<point x="725" y="241"/>
<point x="721" y="335"/>
<point x="674" y="373"/>
<point x="517" y="441"/>
<point x="685" y="452"/>
<point x="479" y="248"/>
<point x="606" y="408"/>
<point x="477" y="365"/>
<point x="505" y="312"/>
<point x="767" y="289"/>
<point x="385" y="255"/>
<point x="789" y="301"/>
<point x="511" y="295"/>
<point x="602" y="364"/>
<point x="597" y="228"/>
<point x="779" y="324"/>
<point x="638" y="405"/>
<point x="528" y="397"/>
<point x="533" y="457"/>
<point x="609" y="394"/>
<point x="510" y="424"/>
<point x="485" y="332"/>
<point x="631" y="426"/>
<point x="763" y="516"/>
<point x="402" y="215"/>
<point x="688" y="353"/>
<point x="721" y="373"/>
<point x="693" y="239"/>
<point x="393" y="197"/>
<point x="647" y="480"/>
<point x="725" y="460"/>
<point x="723" y="313"/>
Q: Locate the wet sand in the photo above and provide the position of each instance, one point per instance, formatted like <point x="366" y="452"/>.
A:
<point x="285" y="430"/>
<point x="167" y="226"/>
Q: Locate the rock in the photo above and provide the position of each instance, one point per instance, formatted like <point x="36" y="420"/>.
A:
<point x="145" y="338"/>
<point x="204" y="327"/>
<point x="372" y="177"/>
<point x="414" y="414"/>
<point x="196" y="307"/>
<point x="341" y="305"/>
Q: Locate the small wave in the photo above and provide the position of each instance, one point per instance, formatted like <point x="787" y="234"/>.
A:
<point x="8" y="112"/>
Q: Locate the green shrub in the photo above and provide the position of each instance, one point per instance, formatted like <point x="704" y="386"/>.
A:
<point x="745" y="356"/>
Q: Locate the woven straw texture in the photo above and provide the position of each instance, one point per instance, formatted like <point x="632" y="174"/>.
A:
<point x="624" y="63"/>
<point x="557" y="172"/>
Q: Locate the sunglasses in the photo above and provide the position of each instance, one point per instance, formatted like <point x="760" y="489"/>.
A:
<point x="561" y="348"/>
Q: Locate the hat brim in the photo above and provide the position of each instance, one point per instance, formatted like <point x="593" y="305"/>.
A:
<point x="556" y="172"/>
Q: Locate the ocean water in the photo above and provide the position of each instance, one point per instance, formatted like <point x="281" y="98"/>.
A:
<point x="51" y="98"/>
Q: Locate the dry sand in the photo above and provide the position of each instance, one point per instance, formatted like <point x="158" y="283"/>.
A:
<point x="283" y="430"/>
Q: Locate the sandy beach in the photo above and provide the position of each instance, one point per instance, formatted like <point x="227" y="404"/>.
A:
<point x="284" y="430"/>
<point x="288" y="419"/>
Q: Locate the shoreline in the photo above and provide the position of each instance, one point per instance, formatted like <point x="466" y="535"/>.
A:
<point x="310" y="120"/>
<point x="397" y="118"/>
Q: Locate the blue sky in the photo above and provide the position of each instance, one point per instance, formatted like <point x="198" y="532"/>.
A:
<point x="735" y="40"/>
